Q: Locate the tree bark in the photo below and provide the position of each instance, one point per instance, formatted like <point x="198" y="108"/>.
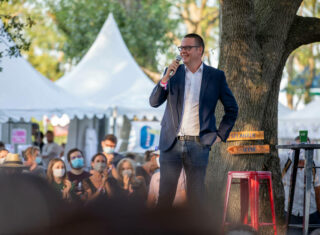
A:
<point x="255" y="44"/>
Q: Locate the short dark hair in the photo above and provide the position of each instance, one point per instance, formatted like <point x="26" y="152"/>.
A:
<point x="50" y="132"/>
<point x="131" y="156"/>
<point x="35" y="125"/>
<point x="197" y="38"/>
<point x="39" y="133"/>
<point x="148" y="155"/>
<point x="298" y="138"/>
<point x="2" y="145"/>
<point x="96" y="155"/>
<point x="71" y="151"/>
<point x="111" y="137"/>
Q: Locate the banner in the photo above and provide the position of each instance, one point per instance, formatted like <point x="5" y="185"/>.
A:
<point x="18" y="136"/>
<point x="144" y="136"/>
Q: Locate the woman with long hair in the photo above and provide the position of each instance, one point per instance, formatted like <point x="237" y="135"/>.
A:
<point x="134" y="186"/>
<point x="99" y="183"/>
<point x="57" y="177"/>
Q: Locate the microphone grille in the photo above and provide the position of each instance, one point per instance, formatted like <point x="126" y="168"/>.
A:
<point x="178" y="58"/>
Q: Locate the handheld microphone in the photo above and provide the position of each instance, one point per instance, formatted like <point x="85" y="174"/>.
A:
<point x="178" y="59"/>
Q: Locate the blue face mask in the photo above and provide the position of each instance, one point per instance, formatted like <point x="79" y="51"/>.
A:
<point x="38" y="160"/>
<point x="77" y="163"/>
<point x="108" y="150"/>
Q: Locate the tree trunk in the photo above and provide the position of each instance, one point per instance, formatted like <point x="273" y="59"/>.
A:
<point x="256" y="40"/>
<point x="289" y="92"/>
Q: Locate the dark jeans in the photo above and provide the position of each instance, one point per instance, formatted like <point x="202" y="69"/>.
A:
<point x="191" y="155"/>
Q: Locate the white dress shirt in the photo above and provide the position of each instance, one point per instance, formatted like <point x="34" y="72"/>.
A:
<point x="298" y="200"/>
<point x="190" y="124"/>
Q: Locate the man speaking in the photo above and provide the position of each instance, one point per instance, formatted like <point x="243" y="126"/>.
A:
<point x="188" y="127"/>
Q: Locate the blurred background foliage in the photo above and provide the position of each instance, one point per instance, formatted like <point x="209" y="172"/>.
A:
<point x="303" y="66"/>
<point x="55" y="34"/>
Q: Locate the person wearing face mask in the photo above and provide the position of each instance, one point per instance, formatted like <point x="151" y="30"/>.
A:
<point x="99" y="183"/>
<point x="134" y="186"/>
<point x="3" y="154"/>
<point x="32" y="160"/>
<point x="108" y="145"/>
<point x="57" y="177"/>
<point x="111" y="167"/>
<point x="77" y="174"/>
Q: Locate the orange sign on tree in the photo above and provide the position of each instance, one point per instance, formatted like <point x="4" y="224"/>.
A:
<point x="249" y="149"/>
<point x="246" y="135"/>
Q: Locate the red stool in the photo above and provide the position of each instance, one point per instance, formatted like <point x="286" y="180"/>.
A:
<point x="249" y="189"/>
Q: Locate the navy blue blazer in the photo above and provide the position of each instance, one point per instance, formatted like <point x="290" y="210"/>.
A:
<point x="214" y="87"/>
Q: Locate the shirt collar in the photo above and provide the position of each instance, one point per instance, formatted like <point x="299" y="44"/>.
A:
<point x="200" y="69"/>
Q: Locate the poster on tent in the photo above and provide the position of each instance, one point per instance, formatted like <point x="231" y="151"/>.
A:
<point x="144" y="136"/>
<point x="19" y="136"/>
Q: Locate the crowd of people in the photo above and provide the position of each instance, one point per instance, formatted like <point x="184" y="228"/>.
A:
<point x="117" y="183"/>
<point x="108" y="174"/>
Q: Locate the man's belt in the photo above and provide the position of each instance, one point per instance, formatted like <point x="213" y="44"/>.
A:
<point x="189" y="138"/>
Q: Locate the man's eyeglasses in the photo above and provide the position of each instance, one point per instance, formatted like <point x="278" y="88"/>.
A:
<point x="187" y="48"/>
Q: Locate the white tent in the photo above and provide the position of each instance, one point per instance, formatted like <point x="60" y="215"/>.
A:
<point x="283" y="132"/>
<point x="108" y="76"/>
<point x="305" y="119"/>
<point x="283" y="111"/>
<point x="25" y="93"/>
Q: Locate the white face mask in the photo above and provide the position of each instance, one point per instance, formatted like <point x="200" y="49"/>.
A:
<point x="2" y="160"/>
<point x="158" y="161"/>
<point x="99" y="166"/>
<point x="58" y="172"/>
<point x="127" y="172"/>
<point x="108" y="150"/>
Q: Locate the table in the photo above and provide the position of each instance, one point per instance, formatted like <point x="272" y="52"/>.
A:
<point x="309" y="149"/>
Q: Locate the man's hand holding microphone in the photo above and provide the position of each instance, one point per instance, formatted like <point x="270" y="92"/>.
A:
<point x="172" y="68"/>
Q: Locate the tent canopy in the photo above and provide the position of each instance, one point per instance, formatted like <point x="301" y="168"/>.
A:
<point x="311" y="113"/>
<point x="25" y="93"/>
<point x="305" y="119"/>
<point x="283" y="111"/>
<point x="108" y="76"/>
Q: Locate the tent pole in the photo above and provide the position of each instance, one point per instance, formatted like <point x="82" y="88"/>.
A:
<point x="114" y="115"/>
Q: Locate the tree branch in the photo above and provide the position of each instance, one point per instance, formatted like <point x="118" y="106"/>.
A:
<point x="272" y="14"/>
<point x="212" y="21"/>
<point x="187" y="19"/>
<point x="155" y="77"/>
<point x="304" y="30"/>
